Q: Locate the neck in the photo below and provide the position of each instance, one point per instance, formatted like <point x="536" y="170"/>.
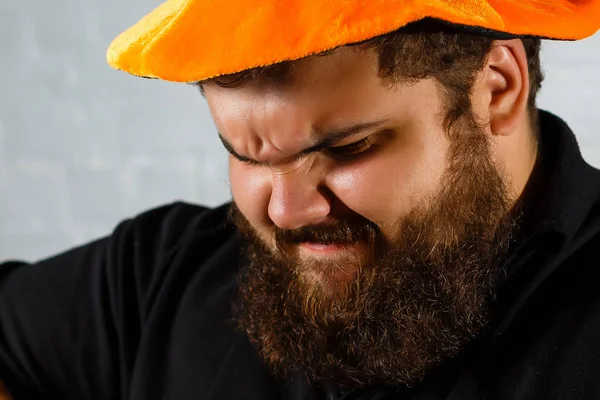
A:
<point x="519" y="155"/>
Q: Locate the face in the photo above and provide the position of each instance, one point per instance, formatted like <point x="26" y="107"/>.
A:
<point x="368" y="226"/>
<point x="370" y="130"/>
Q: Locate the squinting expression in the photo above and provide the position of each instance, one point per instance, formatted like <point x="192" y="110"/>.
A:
<point x="372" y="236"/>
<point x="334" y="144"/>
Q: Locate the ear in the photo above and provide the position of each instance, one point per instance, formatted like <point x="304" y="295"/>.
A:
<point x="505" y="86"/>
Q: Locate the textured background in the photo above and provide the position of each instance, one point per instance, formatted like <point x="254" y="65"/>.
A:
<point x="83" y="146"/>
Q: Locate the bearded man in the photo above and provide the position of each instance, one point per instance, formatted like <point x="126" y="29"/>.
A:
<point x="405" y="223"/>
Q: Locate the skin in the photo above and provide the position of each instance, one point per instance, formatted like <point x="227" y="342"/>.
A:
<point x="273" y="124"/>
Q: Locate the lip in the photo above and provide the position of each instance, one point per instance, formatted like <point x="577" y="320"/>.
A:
<point x="321" y="248"/>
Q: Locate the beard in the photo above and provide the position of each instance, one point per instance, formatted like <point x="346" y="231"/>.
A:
<point x="411" y="303"/>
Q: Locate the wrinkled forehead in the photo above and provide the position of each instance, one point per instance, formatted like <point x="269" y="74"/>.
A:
<point x="336" y="88"/>
<point x="334" y="68"/>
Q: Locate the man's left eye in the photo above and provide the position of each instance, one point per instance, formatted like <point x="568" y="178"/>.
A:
<point x="351" y="149"/>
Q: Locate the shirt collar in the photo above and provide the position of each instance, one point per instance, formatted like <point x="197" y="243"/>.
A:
<point x="562" y="188"/>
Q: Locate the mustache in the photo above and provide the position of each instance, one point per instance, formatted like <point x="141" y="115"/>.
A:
<point x="336" y="233"/>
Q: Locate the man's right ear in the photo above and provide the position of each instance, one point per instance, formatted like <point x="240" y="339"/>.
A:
<point x="505" y="81"/>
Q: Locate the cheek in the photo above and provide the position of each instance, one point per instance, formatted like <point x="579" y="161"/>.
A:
<point x="373" y="189"/>
<point x="391" y="184"/>
<point x="250" y="189"/>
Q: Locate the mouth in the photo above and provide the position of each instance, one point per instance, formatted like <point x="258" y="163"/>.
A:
<point x="329" y="249"/>
<point x="331" y="265"/>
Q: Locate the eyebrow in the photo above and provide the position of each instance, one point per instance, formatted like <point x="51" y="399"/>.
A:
<point x="323" y="140"/>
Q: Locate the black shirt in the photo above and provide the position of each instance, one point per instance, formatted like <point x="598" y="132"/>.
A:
<point x="145" y="313"/>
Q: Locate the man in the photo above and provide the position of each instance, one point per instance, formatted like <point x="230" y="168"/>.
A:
<point x="404" y="222"/>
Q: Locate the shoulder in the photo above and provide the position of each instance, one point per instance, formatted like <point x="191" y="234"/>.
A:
<point x="169" y="222"/>
<point x="166" y="246"/>
<point x="552" y="349"/>
<point x="165" y="230"/>
<point x="104" y="304"/>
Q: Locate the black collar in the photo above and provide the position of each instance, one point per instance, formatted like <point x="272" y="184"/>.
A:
<point x="563" y="188"/>
<point x="560" y="211"/>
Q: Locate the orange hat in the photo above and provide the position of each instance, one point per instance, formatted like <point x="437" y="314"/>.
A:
<point x="192" y="40"/>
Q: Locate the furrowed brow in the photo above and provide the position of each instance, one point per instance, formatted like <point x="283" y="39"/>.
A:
<point x="323" y="140"/>
<point x="232" y="151"/>
<point x="330" y="137"/>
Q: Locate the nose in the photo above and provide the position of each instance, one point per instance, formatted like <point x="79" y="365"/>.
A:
<point x="296" y="202"/>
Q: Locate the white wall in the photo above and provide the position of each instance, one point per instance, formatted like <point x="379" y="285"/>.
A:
<point x="83" y="146"/>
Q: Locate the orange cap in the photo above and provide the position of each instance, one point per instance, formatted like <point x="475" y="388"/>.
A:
<point x="192" y="40"/>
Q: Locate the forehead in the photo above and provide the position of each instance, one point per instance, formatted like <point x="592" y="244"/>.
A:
<point x="322" y="93"/>
<point x="308" y="82"/>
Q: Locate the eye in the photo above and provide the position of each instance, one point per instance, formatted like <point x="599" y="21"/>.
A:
<point x="352" y="148"/>
<point x="251" y="163"/>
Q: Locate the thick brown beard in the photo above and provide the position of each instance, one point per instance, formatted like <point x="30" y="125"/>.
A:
<point x="417" y="302"/>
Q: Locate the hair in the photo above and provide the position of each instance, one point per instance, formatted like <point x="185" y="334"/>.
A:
<point x="451" y="54"/>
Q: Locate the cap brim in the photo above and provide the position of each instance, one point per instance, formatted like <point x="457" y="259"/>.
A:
<point x="187" y="41"/>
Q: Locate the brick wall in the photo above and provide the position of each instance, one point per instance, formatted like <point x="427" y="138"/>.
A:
<point x="83" y="146"/>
